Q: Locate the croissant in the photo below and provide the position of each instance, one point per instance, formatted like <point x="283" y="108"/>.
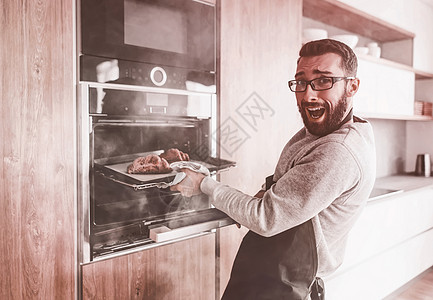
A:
<point x="150" y="164"/>
<point x="173" y="154"/>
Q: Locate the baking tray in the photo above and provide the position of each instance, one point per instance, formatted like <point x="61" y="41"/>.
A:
<point x="121" y="169"/>
<point x="117" y="170"/>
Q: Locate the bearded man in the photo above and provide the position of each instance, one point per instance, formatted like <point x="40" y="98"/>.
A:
<point x="298" y="226"/>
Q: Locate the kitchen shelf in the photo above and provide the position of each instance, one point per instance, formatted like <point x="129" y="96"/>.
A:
<point x="343" y="16"/>
<point x="346" y="17"/>
<point x="418" y="74"/>
<point x="393" y="117"/>
<point x="422" y="75"/>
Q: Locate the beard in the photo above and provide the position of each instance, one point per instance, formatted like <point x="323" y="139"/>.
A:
<point x="332" y="119"/>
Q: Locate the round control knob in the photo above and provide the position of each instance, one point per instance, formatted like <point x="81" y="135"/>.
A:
<point x="158" y="76"/>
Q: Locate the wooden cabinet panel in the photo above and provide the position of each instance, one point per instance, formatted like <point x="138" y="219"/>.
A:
<point x="183" y="270"/>
<point x="230" y="238"/>
<point x="259" y="45"/>
<point x="258" y="49"/>
<point x="37" y="137"/>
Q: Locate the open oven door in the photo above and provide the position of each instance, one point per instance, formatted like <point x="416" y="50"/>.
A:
<point x="191" y="215"/>
<point x="193" y="224"/>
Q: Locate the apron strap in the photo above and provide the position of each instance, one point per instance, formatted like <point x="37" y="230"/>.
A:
<point x="318" y="289"/>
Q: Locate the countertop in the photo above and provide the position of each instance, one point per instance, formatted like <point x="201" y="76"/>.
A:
<point x="397" y="184"/>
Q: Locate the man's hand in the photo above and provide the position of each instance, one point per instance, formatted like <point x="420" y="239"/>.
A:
<point x="190" y="186"/>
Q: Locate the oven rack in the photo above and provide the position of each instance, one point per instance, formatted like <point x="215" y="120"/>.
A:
<point x="135" y="186"/>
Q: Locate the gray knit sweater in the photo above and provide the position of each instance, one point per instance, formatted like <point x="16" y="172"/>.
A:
<point x="327" y="179"/>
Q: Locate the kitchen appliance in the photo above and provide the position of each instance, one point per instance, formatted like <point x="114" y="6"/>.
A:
<point x="147" y="84"/>
<point x="423" y="165"/>
<point x="121" y="211"/>
<point x="159" y="43"/>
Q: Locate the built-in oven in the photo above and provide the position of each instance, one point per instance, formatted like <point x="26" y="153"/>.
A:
<point x="151" y="42"/>
<point x="119" y="123"/>
<point x="146" y="85"/>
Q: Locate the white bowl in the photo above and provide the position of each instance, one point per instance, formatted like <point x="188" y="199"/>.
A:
<point x="361" y="50"/>
<point x="312" y="34"/>
<point x="373" y="49"/>
<point x="349" y="39"/>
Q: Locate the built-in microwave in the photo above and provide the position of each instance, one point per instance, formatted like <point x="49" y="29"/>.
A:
<point x="160" y="43"/>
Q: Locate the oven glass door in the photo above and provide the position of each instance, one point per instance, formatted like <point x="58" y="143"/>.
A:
<point x="178" y="33"/>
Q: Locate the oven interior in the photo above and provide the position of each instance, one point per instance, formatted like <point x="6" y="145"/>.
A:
<point x="123" y="207"/>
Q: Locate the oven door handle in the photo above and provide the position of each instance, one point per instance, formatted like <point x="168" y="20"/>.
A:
<point x="162" y="233"/>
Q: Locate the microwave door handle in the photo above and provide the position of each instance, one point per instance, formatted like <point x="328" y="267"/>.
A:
<point x="162" y="233"/>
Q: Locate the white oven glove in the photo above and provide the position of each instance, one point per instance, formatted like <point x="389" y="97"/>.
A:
<point x="193" y="166"/>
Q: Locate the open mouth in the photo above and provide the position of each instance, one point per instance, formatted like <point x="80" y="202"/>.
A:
<point x="315" y="112"/>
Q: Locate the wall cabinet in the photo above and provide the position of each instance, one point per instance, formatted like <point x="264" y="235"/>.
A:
<point x="387" y="87"/>
<point x="182" y="270"/>
<point x="384" y="90"/>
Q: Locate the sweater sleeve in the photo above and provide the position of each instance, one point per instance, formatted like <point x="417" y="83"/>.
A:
<point x="328" y="173"/>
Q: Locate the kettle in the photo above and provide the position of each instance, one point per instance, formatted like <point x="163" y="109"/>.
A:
<point x="423" y="165"/>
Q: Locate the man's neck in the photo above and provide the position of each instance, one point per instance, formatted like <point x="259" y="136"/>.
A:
<point x="348" y="118"/>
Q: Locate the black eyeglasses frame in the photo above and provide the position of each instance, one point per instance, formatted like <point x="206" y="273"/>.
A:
<point x="308" y="82"/>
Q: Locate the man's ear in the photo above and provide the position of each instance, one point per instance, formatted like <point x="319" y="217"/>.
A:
<point x="352" y="87"/>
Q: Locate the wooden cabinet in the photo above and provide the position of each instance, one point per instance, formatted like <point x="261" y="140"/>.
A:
<point x="387" y="87"/>
<point x="182" y="270"/>
<point x="37" y="129"/>
<point x="258" y="49"/>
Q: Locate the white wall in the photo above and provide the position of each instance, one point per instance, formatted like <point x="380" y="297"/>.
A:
<point x="390" y="138"/>
<point x="424" y="89"/>
<point x="419" y="140"/>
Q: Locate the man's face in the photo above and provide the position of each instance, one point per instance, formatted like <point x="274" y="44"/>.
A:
<point x="322" y="111"/>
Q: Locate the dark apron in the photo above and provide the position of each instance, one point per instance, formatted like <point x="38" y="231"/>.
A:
<point x="283" y="266"/>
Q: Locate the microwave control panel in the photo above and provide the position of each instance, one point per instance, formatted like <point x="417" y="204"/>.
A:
<point x="98" y="69"/>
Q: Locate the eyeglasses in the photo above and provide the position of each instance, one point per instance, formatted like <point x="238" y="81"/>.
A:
<point x="318" y="84"/>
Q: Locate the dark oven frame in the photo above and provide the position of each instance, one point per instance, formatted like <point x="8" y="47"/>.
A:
<point x="208" y="220"/>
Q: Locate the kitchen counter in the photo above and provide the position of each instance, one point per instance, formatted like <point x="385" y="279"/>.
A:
<point x="396" y="184"/>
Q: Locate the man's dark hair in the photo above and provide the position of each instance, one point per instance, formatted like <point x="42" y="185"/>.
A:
<point x="319" y="47"/>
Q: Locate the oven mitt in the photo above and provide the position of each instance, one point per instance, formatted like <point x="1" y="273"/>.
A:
<point x="193" y="166"/>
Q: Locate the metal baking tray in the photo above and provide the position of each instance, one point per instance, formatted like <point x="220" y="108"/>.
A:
<point x="114" y="168"/>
